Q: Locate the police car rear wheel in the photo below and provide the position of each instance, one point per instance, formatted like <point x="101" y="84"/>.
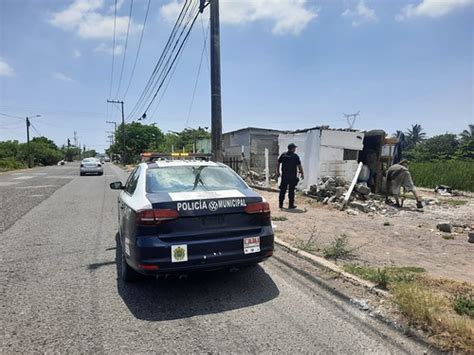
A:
<point x="127" y="274"/>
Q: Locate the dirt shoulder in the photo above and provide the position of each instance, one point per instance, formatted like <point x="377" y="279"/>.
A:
<point x="405" y="238"/>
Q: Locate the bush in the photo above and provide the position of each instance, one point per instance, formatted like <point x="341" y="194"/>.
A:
<point x="11" y="164"/>
<point x="339" y="249"/>
<point x="457" y="174"/>
<point x="464" y="305"/>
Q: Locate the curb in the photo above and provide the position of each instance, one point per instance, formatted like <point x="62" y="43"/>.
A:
<point x="321" y="262"/>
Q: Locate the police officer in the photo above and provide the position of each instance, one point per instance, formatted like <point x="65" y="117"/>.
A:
<point x="290" y="163"/>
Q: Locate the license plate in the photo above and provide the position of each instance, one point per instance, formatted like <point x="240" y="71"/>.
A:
<point x="251" y="245"/>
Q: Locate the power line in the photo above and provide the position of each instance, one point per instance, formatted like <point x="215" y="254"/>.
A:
<point x="164" y="53"/>
<point x="166" y="87"/>
<point x="138" y="51"/>
<point x="12" y="116"/>
<point x="197" y="76"/>
<point x="113" y="50"/>
<point x="172" y="62"/>
<point x="37" y="132"/>
<point x="205" y="34"/>
<point x="125" y="48"/>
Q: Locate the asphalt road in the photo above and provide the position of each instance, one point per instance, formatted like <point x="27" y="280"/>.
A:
<point x="59" y="291"/>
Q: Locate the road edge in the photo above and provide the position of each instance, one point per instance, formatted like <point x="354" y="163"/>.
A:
<point x="371" y="287"/>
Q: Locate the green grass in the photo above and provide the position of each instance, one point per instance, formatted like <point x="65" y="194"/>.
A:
<point x="457" y="174"/>
<point x="382" y="277"/>
<point x="453" y="202"/>
<point x="464" y="305"/>
<point x="11" y="164"/>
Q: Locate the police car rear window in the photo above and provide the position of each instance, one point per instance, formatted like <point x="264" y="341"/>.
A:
<point x="192" y="178"/>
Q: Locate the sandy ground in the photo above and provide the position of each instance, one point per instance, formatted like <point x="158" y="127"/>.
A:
<point x="410" y="239"/>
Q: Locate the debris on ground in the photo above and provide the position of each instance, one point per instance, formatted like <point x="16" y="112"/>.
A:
<point x="332" y="190"/>
<point x="470" y="237"/>
<point x="445" y="190"/>
<point x="445" y="227"/>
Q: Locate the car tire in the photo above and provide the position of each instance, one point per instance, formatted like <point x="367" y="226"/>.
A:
<point x="126" y="273"/>
<point x="82" y="174"/>
<point x="100" y="174"/>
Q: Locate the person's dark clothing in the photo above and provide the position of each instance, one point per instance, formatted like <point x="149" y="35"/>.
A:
<point x="289" y="168"/>
<point x="290" y="185"/>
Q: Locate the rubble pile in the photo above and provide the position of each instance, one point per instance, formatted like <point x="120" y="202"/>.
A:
<point x="332" y="190"/>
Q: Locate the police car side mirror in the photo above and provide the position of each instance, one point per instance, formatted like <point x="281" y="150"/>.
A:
<point x="117" y="185"/>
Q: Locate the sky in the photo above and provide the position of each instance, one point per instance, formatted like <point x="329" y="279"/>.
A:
<point x="286" y="64"/>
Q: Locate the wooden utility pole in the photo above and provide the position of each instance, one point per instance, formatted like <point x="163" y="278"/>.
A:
<point x="28" y="124"/>
<point x="28" y="141"/>
<point x="216" y="103"/>
<point x="124" y="160"/>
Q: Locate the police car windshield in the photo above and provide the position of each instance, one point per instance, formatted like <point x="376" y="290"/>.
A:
<point x="192" y="178"/>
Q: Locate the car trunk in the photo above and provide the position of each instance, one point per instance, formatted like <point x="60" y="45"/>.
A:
<point x="208" y="219"/>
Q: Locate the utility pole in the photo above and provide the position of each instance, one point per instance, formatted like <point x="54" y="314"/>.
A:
<point x="28" y="124"/>
<point x="216" y="103"/>
<point x="111" y="136"/>
<point x="351" y="118"/>
<point x="75" y="139"/>
<point x="123" y="128"/>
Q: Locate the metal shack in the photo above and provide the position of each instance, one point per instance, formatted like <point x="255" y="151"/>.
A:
<point x="325" y="152"/>
<point x="252" y="142"/>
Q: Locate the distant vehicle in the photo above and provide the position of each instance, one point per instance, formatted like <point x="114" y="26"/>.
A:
<point x="62" y="162"/>
<point x="107" y="159"/>
<point x="91" y="166"/>
<point x="177" y="216"/>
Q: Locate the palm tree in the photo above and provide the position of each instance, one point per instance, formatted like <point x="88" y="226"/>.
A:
<point x="415" y="135"/>
<point x="467" y="134"/>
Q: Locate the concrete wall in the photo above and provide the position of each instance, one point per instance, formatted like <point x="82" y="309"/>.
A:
<point x="322" y="152"/>
<point x="254" y="141"/>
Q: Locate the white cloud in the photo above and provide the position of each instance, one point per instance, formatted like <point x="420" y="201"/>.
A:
<point x="287" y="16"/>
<point x="432" y="8"/>
<point x="76" y="53"/>
<point x="63" y="77"/>
<point x="361" y="14"/>
<point x="87" y="18"/>
<point x="5" y="68"/>
<point x="106" y="49"/>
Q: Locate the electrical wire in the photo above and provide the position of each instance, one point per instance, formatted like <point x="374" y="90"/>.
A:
<point x="125" y="48"/>
<point x="164" y="53"/>
<point x="12" y="116"/>
<point x="197" y="76"/>
<point x="166" y="87"/>
<point x="34" y="129"/>
<point x="172" y="63"/>
<point x="138" y="52"/>
<point x="205" y="34"/>
<point x="113" y="50"/>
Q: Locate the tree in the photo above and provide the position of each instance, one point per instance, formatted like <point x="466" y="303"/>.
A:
<point x="415" y="135"/>
<point x="468" y="134"/>
<point x="138" y="139"/>
<point x="439" y="147"/>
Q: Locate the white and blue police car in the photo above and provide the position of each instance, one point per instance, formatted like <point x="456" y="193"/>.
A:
<point x="182" y="215"/>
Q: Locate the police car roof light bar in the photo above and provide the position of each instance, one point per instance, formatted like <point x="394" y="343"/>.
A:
<point x="150" y="157"/>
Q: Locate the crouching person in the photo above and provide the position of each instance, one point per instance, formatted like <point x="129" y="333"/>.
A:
<point x="398" y="176"/>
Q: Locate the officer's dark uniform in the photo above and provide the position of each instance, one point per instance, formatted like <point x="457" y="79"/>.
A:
<point x="289" y="179"/>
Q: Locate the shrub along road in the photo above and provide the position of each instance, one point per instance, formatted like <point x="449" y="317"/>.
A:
<point x="59" y="292"/>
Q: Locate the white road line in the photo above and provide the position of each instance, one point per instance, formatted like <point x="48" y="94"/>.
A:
<point x="35" y="187"/>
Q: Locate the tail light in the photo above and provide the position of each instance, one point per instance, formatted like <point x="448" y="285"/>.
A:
<point x="153" y="217"/>
<point x="259" y="207"/>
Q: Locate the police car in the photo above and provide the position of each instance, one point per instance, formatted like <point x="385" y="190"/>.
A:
<point x="179" y="215"/>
